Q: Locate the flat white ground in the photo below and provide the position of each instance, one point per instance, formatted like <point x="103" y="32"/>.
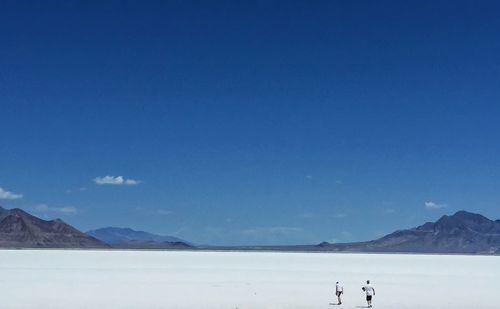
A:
<point x="57" y="279"/>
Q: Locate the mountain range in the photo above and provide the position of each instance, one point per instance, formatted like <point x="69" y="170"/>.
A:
<point x="129" y="238"/>
<point x="463" y="232"/>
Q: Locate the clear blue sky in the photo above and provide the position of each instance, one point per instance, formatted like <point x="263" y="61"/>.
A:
<point x="245" y="122"/>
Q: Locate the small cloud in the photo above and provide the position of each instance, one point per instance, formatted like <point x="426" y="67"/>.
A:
<point x="132" y="182"/>
<point x="81" y="189"/>
<point x="44" y="208"/>
<point x="339" y="216"/>
<point x="66" y="210"/>
<point x="390" y="210"/>
<point x="432" y="205"/>
<point x="115" y="180"/>
<point x="163" y="212"/>
<point x="346" y="234"/>
<point x="7" y="195"/>
<point x="309" y="177"/>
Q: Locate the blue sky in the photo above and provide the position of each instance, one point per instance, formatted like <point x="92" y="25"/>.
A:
<point x="250" y="122"/>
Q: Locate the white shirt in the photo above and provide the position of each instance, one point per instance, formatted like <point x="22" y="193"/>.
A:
<point x="338" y="287"/>
<point x="369" y="290"/>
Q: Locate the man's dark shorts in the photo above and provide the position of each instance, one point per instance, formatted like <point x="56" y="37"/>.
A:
<point x="368" y="297"/>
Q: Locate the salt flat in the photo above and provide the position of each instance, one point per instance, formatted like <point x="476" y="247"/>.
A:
<point x="165" y="279"/>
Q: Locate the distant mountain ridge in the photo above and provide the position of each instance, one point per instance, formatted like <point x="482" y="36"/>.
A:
<point x="463" y="232"/>
<point x="129" y="238"/>
<point x="19" y="229"/>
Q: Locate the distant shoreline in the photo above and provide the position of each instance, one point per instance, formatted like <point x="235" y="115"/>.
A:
<point x="245" y="251"/>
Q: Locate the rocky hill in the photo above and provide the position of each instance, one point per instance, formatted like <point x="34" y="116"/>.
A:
<point x="19" y="229"/>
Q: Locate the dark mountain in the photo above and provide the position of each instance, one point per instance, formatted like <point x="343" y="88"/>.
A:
<point x="129" y="238"/>
<point x="19" y="229"/>
<point x="463" y="232"/>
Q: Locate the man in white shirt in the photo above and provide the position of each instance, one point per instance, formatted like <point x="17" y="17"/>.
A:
<point x="370" y="292"/>
<point x="339" y="290"/>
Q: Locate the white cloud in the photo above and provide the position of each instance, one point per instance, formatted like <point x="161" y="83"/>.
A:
<point x="44" y="208"/>
<point x="164" y="212"/>
<point x="67" y="210"/>
<point x="116" y="180"/>
<point x="432" y="205"/>
<point x="7" y="195"/>
<point x="346" y="234"/>
<point x="132" y="182"/>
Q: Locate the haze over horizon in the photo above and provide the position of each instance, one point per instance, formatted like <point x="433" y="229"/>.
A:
<point x="250" y="122"/>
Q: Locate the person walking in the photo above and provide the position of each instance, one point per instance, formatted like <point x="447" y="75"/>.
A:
<point x="339" y="290"/>
<point x="370" y="292"/>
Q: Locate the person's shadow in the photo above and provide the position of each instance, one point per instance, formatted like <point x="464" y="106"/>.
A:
<point x="335" y="304"/>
